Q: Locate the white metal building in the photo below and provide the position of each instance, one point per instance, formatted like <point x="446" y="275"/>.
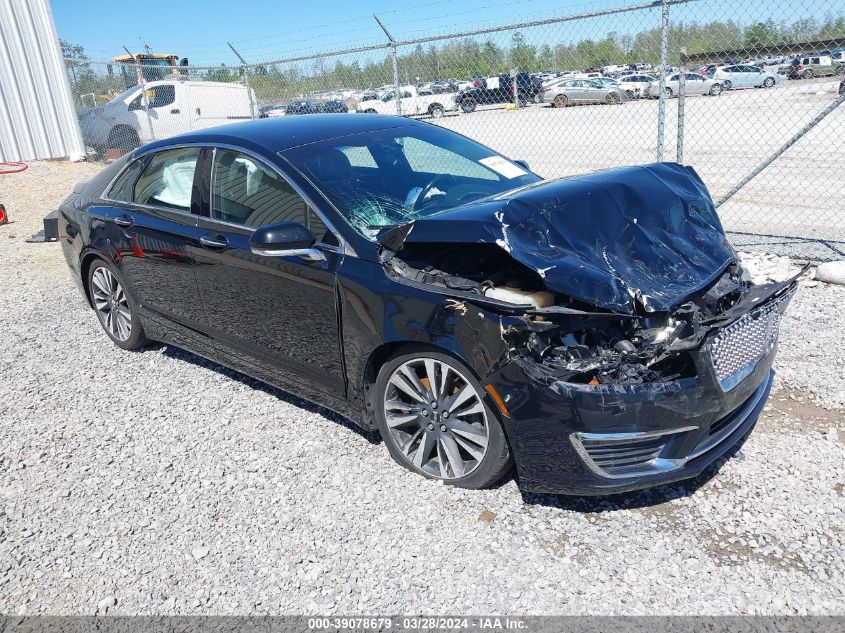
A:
<point x="37" y="117"/>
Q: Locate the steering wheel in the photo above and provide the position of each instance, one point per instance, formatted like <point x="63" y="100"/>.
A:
<point x="418" y="203"/>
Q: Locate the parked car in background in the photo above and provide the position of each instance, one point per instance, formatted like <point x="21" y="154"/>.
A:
<point x="842" y="85"/>
<point x="500" y="89"/>
<point x="412" y="102"/>
<point x="272" y="111"/>
<point x="742" y="76"/>
<point x="635" y="85"/>
<point x="163" y="108"/>
<point x="581" y="91"/>
<point x="838" y="58"/>
<point x="693" y="85"/>
<point x="811" y="66"/>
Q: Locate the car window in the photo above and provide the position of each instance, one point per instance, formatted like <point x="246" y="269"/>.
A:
<point x="421" y="170"/>
<point x="320" y="230"/>
<point x="693" y="77"/>
<point x="244" y="191"/>
<point x="158" y="96"/>
<point x="123" y="188"/>
<point x="359" y="156"/>
<point x="431" y="159"/>
<point x="674" y="78"/>
<point x="168" y="179"/>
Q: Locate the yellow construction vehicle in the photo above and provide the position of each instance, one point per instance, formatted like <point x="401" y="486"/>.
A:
<point x="148" y="66"/>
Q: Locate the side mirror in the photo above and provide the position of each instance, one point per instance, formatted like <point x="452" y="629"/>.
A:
<point x="522" y="163"/>
<point x="285" y="239"/>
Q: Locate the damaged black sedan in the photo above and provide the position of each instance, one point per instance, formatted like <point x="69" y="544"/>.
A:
<point x="597" y="331"/>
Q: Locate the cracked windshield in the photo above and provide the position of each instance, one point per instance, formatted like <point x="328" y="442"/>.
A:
<point x="394" y="176"/>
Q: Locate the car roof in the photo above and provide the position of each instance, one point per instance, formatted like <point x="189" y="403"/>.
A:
<point x="282" y="133"/>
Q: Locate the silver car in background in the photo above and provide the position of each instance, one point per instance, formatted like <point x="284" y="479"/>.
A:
<point x="578" y="91"/>
<point x="744" y="76"/>
<point x="693" y="85"/>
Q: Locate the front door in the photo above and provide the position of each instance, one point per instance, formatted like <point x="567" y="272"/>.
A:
<point x="276" y="316"/>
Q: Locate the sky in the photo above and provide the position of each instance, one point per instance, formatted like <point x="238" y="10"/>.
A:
<point x="264" y="30"/>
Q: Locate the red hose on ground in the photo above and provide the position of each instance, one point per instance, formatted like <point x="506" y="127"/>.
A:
<point x="12" y="168"/>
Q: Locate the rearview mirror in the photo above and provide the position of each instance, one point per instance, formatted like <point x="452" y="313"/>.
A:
<point x="285" y="239"/>
<point x="522" y="163"/>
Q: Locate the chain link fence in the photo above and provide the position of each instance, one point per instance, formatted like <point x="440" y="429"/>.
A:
<point x="748" y="94"/>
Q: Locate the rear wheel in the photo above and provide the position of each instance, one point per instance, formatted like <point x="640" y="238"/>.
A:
<point x="468" y="105"/>
<point x="434" y="420"/>
<point x="561" y="101"/>
<point x="726" y="84"/>
<point x="123" y="137"/>
<point x="436" y="110"/>
<point x="768" y="82"/>
<point x="807" y="74"/>
<point x="668" y="92"/>
<point x="613" y="99"/>
<point x="715" y="90"/>
<point x="116" y="311"/>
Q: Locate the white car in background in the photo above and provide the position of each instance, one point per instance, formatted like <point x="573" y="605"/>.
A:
<point x="693" y="85"/>
<point x="635" y="85"/>
<point x="744" y="76"/>
<point x="411" y="103"/>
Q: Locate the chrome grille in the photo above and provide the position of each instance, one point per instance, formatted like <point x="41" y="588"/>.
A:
<point x="739" y="346"/>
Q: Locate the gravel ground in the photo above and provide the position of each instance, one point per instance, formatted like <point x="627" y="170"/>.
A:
<point x="157" y="483"/>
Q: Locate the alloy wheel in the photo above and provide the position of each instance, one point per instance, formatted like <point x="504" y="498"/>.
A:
<point x="436" y="418"/>
<point x="111" y="304"/>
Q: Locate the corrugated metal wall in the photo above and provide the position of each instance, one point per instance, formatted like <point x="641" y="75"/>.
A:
<point x="37" y="117"/>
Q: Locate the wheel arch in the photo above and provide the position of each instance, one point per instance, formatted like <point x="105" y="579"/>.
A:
<point x="85" y="264"/>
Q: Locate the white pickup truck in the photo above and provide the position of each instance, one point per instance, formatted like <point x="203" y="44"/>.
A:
<point x="411" y="103"/>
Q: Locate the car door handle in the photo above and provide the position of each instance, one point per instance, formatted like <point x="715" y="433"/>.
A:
<point x="198" y="112"/>
<point x="214" y="242"/>
<point x="174" y="111"/>
<point x="124" y="220"/>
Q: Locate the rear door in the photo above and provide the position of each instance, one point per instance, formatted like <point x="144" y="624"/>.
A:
<point x="275" y="316"/>
<point x="151" y="229"/>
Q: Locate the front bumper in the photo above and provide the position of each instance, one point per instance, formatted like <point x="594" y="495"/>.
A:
<point x="602" y="439"/>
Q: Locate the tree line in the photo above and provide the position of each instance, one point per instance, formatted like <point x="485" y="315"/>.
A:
<point x="470" y="57"/>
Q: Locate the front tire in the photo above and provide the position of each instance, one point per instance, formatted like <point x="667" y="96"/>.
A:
<point x="715" y="90"/>
<point x="561" y="101"/>
<point x="436" y="111"/>
<point x="807" y="74"/>
<point x="726" y="84"/>
<point x="116" y="310"/>
<point x="768" y="82"/>
<point x="435" y="421"/>
<point x="613" y="99"/>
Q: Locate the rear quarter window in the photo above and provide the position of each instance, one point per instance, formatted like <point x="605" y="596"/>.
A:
<point x="123" y="189"/>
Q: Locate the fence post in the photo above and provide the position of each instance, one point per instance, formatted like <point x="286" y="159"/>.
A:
<point x="682" y="85"/>
<point x="245" y="71"/>
<point x="664" y="62"/>
<point x="395" y="63"/>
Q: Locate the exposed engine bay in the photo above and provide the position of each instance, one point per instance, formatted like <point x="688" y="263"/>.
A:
<point x="571" y="340"/>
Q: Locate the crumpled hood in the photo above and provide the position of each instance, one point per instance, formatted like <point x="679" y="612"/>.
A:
<point x="647" y="234"/>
